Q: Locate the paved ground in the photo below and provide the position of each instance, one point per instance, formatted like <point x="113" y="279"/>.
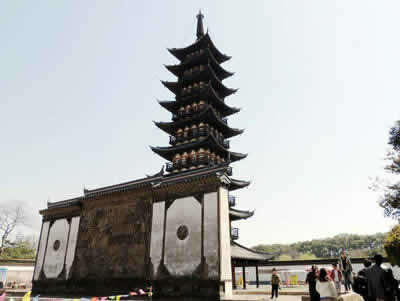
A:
<point x="264" y="297"/>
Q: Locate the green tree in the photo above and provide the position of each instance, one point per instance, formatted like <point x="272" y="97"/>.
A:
<point x="306" y="256"/>
<point x="22" y="248"/>
<point x="284" y="257"/>
<point x="392" y="245"/>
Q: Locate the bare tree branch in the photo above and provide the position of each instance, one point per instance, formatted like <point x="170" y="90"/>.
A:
<point x="10" y="218"/>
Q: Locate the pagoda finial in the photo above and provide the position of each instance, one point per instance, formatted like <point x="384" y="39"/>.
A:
<point x="200" y="29"/>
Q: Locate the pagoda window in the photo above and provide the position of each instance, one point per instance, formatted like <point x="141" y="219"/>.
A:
<point x="201" y="105"/>
<point x="187" y="110"/>
<point x="212" y="157"/>
<point x="184" y="159"/>
<point x="176" y="158"/>
<point x="202" y="129"/>
<point x="195" y="107"/>
<point x="186" y="133"/>
<point x="181" y="111"/>
<point x="194" y="131"/>
<point x="193" y="157"/>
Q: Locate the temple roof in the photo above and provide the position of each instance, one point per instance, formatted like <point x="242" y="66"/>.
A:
<point x="210" y="141"/>
<point x="202" y="43"/>
<point x="206" y="57"/>
<point x="241" y="252"/>
<point x="208" y="115"/>
<point x="236" y="214"/>
<point x="157" y="181"/>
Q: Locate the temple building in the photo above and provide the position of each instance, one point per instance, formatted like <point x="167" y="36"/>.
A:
<point x="172" y="230"/>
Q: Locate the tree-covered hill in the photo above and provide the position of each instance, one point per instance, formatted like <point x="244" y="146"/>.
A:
<point x="355" y="245"/>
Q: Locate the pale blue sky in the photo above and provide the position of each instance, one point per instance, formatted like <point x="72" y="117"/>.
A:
<point x="319" y="89"/>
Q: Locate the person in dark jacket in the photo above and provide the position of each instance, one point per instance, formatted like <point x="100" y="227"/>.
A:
<point x="376" y="280"/>
<point x="311" y="280"/>
<point x="360" y="283"/>
<point x="275" y="282"/>
<point x="391" y="286"/>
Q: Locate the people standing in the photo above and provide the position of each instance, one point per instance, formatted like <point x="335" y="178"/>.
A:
<point x="376" y="280"/>
<point x="346" y="269"/>
<point x="311" y="280"/>
<point x="360" y="283"/>
<point x="336" y="276"/>
<point x="275" y="282"/>
<point x="325" y="286"/>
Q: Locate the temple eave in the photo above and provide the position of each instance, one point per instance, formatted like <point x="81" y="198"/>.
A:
<point x="239" y="252"/>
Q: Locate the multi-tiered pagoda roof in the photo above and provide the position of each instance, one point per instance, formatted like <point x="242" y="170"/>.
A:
<point x="199" y="126"/>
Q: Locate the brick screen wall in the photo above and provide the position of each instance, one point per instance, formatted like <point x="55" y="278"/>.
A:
<point x="113" y="237"/>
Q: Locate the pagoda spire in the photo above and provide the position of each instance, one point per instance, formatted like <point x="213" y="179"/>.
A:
<point x="200" y="28"/>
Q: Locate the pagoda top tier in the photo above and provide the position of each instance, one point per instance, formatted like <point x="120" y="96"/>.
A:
<point x="203" y="41"/>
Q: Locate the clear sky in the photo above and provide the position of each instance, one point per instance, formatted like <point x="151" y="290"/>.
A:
<point x="319" y="90"/>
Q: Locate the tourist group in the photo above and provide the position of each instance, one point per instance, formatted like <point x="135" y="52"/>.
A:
<point x="373" y="282"/>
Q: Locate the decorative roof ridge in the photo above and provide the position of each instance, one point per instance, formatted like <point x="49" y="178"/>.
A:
<point x="146" y="180"/>
<point x="64" y="203"/>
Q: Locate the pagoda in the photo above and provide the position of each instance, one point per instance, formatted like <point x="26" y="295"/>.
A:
<point x="171" y="231"/>
<point x="199" y="127"/>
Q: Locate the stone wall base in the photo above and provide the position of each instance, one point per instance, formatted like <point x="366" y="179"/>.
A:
<point x="87" y="287"/>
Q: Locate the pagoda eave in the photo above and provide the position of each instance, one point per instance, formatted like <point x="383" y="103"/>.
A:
<point x="238" y="184"/>
<point x="168" y="152"/>
<point x="208" y="115"/>
<point x="173" y="107"/>
<point x="181" y="53"/>
<point x="236" y="214"/>
<point x="205" y="58"/>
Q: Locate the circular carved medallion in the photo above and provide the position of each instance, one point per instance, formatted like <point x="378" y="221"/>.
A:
<point x="182" y="232"/>
<point x="56" y="245"/>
